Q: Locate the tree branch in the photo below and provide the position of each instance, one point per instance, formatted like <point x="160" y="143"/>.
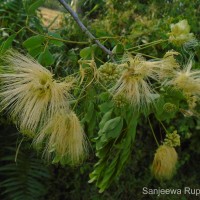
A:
<point x="84" y="29"/>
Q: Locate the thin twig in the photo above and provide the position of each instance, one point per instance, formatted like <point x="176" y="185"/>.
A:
<point x="57" y="39"/>
<point x="146" y="45"/>
<point x="154" y="135"/>
<point x="85" y="30"/>
<point x="163" y="127"/>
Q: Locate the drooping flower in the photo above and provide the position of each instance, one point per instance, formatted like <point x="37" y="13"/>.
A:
<point x="134" y="82"/>
<point x="180" y="33"/>
<point x="63" y="136"/>
<point x="164" y="163"/>
<point x="29" y="93"/>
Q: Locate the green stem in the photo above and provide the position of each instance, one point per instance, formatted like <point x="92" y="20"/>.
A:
<point x="147" y="45"/>
<point x="135" y="52"/>
<point x="153" y="132"/>
<point x="79" y="97"/>
<point x="58" y="39"/>
<point x="17" y="151"/>
<point x="163" y="126"/>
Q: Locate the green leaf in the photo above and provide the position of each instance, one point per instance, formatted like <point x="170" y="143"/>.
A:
<point x="159" y="105"/>
<point x="117" y="130"/>
<point x="35" y="51"/>
<point x="34" y="41"/>
<point x="71" y="55"/>
<point x="108" y="175"/>
<point x="90" y="110"/>
<point x="169" y="97"/>
<point x="175" y="94"/>
<point x="113" y="153"/>
<point x="132" y="125"/>
<point x="104" y="107"/>
<point x="104" y="96"/>
<point x="46" y="58"/>
<point x="7" y="44"/>
<point x="34" y="6"/>
<point x="118" y="49"/>
<point x="54" y="41"/>
<point x="86" y="53"/>
<point x="90" y="118"/>
<point x="105" y="118"/>
<point x="111" y="124"/>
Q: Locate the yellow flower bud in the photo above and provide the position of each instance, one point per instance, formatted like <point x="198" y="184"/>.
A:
<point x="172" y="139"/>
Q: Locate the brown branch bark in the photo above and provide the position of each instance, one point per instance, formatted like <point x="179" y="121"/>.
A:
<point x="85" y="30"/>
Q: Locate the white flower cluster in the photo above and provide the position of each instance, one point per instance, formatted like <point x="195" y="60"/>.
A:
<point x="39" y="105"/>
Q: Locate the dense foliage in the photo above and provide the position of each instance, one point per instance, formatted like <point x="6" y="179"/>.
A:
<point x="122" y="133"/>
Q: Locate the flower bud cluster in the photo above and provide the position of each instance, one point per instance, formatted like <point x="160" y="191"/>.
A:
<point x="172" y="139"/>
<point x="110" y="72"/>
<point x="120" y="101"/>
<point x="169" y="107"/>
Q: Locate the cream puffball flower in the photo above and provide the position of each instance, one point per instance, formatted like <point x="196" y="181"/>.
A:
<point x="29" y="93"/>
<point x="134" y="82"/>
<point x="64" y="137"/>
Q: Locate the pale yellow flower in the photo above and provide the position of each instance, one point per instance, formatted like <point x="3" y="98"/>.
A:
<point x="134" y="82"/>
<point x="180" y="33"/>
<point x="162" y="68"/>
<point x="63" y="137"/>
<point x="164" y="163"/>
<point x="187" y="80"/>
<point x="28" y="92"/>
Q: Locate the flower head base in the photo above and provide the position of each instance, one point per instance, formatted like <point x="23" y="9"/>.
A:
<point x="164" y="163"/>
<point x="29" y="93"/>
<point x="63" y="137"/>
<point x="134" y="84"/>
<point x="180" y="33"/>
